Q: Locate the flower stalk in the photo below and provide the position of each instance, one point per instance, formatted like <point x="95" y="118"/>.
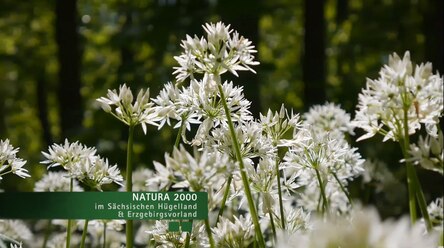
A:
<point x="244" y="176"/>
<point x="68" y="228"/>
<point x="85" y="231"/>
<point x="129" y="183"/>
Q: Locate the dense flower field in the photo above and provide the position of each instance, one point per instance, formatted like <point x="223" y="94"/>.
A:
<point x="277" y="181"/>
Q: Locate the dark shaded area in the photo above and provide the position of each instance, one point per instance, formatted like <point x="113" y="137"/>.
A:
<point x="314" y="64"/>
<point x="244" y="18"/>
<point x="70" y="101"/>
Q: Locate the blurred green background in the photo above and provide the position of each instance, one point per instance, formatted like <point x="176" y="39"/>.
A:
<point x="57" y="57"/>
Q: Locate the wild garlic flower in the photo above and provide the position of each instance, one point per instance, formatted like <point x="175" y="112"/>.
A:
<point x="9" y="163"/>
<point x="131" y="113"/>
<point x="363" y="228"/>
<point x="296" y="219"/>
<point x="222" y="50"/>
<point x="329" y="118"/>
<point x="200" y="104"/>
<point x="83" y="164"/>
<point x="310" y="198"/>
<point x="15" y="231"/>
<point x="251" y="138"/>
<point x="56" y="182"/>
<point x="276" y="126"/>
<point x="198" y="172"/>
<point x="164" y="238"/>
<point x="67" y="155"/>
<point x="401" y="86"/>
<point x="237" y="233"/>
<point x="436" y="212"/>
<point x="429" y="152"/>
<point x="324" y="164"/>
<point x="95" y="172"/>
<point x="140" y="176"/>
<point x="59" y="240"/>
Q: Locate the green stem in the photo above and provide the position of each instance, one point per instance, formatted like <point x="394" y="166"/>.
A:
<point x="245" y="180"/>
<point x="187" y="240"/>
<point x="342" y="187"/>
<point x="409" y="167"/>
<point x="104" y="234"/>
<point x="179" y="134"/>
<point x="85" y="231"/>
<point x="68" y="228"/>
<point x="176" y="144"/>
<point x="47" y="233"/>
<point x="414" y="186"/>
<point x="422" y="202"/>
<point x="324" y="197"/>
<point x="411" y="188"/>
<point x="129" y="184"/>
<point x="224" y="199"/>
<point x="281" y="205"/>
<point x="272" y="224"/>
<point x="210" y="235"/>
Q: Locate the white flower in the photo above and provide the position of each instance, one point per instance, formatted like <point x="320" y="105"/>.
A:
<point x="277" y="125"/>
<point x="223" y="50"/>
<point x="363" y="228"/>
<point x="436" y="212"/>
<point x="329" y="118"/>
<point x="13" y="230"/>
<point x="56" y="182"/>
<point x="237" y="233"/>
<point x="164" y="238"/>
<point x="251" y="138"/>
<point x="324" y="164"/>
<point x="200" y="103"/>
<point x="9" y="163"/>
<point x="83" y="164"/>
<point x="429" y="152"/>
<point x="67" y="155"/>
<point x="132" y="114"/>
<point x="95" y="172"/>
<point x="400" y="90"/>
<point x="198" y="172"/>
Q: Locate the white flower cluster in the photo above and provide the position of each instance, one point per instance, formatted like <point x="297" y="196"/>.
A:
<point x="13" y="230"/>
<point x="203" y="171"/>
<point x="9" y="163"/>
<point x="403" y="92"/>
<point x="429" y="152"/>
<point x="200" y="103"/>
<point x="329" y="118"/>
<point x="363" y="228"/>
<point x="322" y="162"/>
<point x="238" y="232"/>
<point x="221" y="51"/>
<point x="165" y="239"/>
<point x="82" y="163"/>
<point x="132" y="114"/>
<point x="324" y="166"/>
<point x="56" y="182"/>
<point x="436" y="211"/>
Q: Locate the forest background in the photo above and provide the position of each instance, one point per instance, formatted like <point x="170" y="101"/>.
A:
<point x="57" y="57"/>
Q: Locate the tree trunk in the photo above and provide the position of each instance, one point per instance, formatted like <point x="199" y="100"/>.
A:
<point x="314" y="67"/>
<point x="244" y="17"/>
<point x="70" y="101"/>
<point x="42" y="107"/>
